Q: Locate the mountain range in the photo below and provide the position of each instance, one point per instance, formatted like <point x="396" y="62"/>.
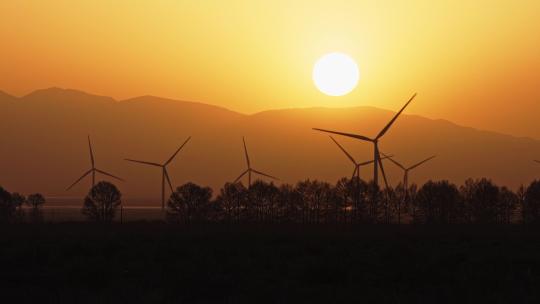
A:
<point x="43" y="144"/>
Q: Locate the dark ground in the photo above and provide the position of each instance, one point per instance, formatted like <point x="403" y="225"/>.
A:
<point x="158" y="263"/>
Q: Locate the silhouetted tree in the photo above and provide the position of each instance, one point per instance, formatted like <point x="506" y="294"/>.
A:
<point x="315" y="198"/>
<point x="189" y="203"/>
<point x="508" y="203"/>
<point x="102" y="201"/>
<point x="399" y="202"/>
<point x="232" y="199"/>
<point x="391" y="203"/>
<point x="354" y="201"/>
<point x="346" y="204"/>
<point x="375" y="203"/>
<point x="18" y="200"/>
<point x="481" y="198"/>
<point x="289" y="205"/>
<point x="262" y="200"/>
<point x="520" y="195"/>
<point x="7" y="209"/>
<point x="410" y="205"/>
<point x="36" y="202"/>
<point x="437" y="203"/>
<point x="531" y="203"/>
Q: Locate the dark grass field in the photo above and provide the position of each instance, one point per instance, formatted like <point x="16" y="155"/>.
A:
<point x="159" y="263"/>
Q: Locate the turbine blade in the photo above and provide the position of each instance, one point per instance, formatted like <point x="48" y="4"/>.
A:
<point x="371" y="161"/>
<point x="342" y="149"/>
<point x="91" y="152"/>
<point x="168" y="179"/>
<point x="78" y="180"/>
<point x="366" y="163"/>
<point x="383" y="131"/>
<point x="108" y="174"/>
<point x="394" y="161"/>
<point x="246" y="152"/>
<point x="174" y="155"/>
<point x="354" y="172"/>
<point x="264" y="174"/>
<point x="383" y="173"/>
<point x="422" y="162"/>
<point x="143" y="162"/>
<point x="241" y="175"/>
<point x="361" y="137"/>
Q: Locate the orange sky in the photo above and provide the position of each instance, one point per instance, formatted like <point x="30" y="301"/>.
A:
<point x="473" y="62"/>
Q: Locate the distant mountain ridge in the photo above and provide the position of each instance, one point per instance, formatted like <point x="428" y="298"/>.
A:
<point x="43" y="143"/>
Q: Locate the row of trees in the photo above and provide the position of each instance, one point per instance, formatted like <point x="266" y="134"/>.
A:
<point x="101" y="204"/>
<point x="11" y="206"/>
<point x="315" y="202"/>
<point x="355" y="201"/>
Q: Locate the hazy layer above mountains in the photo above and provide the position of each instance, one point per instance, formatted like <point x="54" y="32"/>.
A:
<point x="43" y="144"/>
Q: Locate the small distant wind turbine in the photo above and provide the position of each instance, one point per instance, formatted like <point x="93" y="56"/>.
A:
<point x="357" y="165"/>
<point x="251" y="170"/>
<point x="93" y="169"/>
<point x="407" y="169"/>
<point x="164" y="173"/>
<point x="375" y="141"/>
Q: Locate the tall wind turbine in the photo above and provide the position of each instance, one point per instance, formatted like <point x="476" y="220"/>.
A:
<point x="357" y="165"/>
<point x="93" y="169"/>
<point x="407" y="169"/>
<point x="375" y="141"/>
<point x="164" y="173"/>
<point x="250" y="170"/>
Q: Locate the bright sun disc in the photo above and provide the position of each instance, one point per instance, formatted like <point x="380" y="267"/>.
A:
<point x="335" y="74"/>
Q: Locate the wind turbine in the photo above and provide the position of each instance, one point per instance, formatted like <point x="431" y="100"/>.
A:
<point x="407" y="169"/>
<point x="164" y="173"/>
<point x="92" y="170"/>
<point x="357" y="165"/>
<point x="375" y="141"/>
<point x="251" y="170"/>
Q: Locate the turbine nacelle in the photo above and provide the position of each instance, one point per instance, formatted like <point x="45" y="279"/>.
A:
<point x="357" y="165"/>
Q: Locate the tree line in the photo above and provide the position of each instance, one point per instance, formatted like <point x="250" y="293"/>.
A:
<point x="353" y="201"/>
<point x="348" y="201"/>
<point x="11" y="206"/>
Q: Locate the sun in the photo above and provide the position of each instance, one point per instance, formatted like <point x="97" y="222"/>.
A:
<point x="336" y="74"/>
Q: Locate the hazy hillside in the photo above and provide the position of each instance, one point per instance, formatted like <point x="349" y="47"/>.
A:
<point x="43" y="143"/>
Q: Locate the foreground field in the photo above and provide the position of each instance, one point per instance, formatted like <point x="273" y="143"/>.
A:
<point x="158" y="263"/>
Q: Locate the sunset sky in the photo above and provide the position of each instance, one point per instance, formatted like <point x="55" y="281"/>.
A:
<point x="475" y="63"/>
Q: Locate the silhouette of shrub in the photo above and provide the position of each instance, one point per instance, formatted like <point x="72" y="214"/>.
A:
<point x="232" y="201"/>
<point x="36" y="201"/>
<point x="101" y="203"/>
<point x="531" y="203"/>
<point x="481" y="198"/>
<point x="18" y="200"/>
<point x="7" y="208"/>
<point x="189" y="203"/>
<point x="438" y="203"/>
<point x="263" y="198"/>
